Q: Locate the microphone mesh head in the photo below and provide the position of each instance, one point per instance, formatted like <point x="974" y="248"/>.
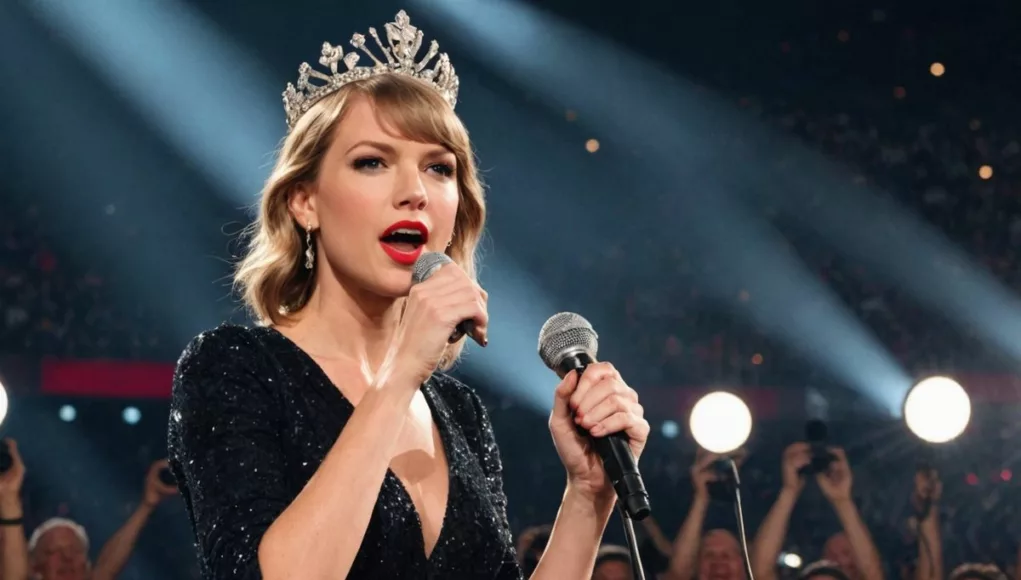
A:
<point x="426" y="265"/>
<point x="563" y="334"/>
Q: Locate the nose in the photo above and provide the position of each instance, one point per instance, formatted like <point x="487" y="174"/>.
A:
<point x="410" y="192"/>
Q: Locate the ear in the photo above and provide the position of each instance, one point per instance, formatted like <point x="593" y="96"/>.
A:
<point x="301" y="202"/>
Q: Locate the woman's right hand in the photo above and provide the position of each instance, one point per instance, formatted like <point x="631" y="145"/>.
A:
<point x="434" y="309"/>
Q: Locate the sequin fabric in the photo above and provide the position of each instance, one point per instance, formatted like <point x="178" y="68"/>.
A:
<point x="253" y="416"/>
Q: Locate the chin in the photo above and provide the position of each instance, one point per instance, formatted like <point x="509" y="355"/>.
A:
<point x="391" y="283"/>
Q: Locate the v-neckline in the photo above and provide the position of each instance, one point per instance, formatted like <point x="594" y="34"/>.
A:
<point x="432" y="401"/>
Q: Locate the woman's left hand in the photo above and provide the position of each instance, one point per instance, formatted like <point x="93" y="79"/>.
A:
<point x="602" y="404"/>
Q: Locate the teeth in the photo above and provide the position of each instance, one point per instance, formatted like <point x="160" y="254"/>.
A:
<point x="407" y="231"/>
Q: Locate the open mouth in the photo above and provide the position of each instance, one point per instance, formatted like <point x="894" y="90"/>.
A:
<point x="404" y="241"/>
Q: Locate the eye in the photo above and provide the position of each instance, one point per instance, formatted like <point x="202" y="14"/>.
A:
<point x="368" y="163"/>
<point x="444" y="169"/>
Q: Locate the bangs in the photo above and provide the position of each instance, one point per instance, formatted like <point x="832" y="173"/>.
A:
<point x="413" y="110"/>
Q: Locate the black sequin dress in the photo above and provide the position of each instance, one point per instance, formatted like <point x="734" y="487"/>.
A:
<point x="252" y="418"/>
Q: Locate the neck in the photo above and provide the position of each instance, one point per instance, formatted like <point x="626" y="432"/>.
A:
<point x="339" y="322"/>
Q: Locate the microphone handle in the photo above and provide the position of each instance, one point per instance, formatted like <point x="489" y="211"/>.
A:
<point x="618" y="460"/>
<point x="465" y="327"/>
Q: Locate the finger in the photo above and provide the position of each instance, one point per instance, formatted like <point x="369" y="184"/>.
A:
<point x="839" y="453"/>
<point x="482" y="292"/>
<point x="618" y="422"/>
<point x="562" y="395"/>
<point x="594" y="373"/>
<point x="12" y="445"/>
<point x="608" y="387"/>
<point x="463" y="305"/>
<point x="616" y="402"/>
<point x="798" y="448"/>
<point x="801" y="461"/>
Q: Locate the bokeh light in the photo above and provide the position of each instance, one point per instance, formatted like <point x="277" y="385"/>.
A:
<point x="68" y="413"/>
<point x="985" y="172"/>
<point x="592" y="145"/>
<point x="937" y="409"/>
<point x="720" y="422"/>
<point x="132" y="415"/>
<point x="937" y="69"/>
<point x="671" y="429"/>
<point x="3" y="403"/>
<point x="790" y="560"/>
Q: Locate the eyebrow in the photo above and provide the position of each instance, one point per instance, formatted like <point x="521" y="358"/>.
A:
<point x="381" y="146"/>
<point x="389" y="150"/>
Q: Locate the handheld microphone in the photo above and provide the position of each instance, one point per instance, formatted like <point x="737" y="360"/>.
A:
<point x="425" y="266"/>
<point x="567" y="342"/>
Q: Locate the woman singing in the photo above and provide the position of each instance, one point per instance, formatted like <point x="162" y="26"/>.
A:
<point x="324" y="443"/>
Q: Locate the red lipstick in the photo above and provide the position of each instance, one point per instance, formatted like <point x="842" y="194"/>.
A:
<point x="404" y="241"/>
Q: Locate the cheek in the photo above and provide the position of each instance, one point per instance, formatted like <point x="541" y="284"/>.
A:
<point x="443" y="206"/>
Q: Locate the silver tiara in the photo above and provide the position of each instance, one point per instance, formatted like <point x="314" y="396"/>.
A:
<point x="403" y="43"/>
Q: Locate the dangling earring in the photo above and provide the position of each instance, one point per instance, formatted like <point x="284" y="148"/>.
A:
<point x="451" y="240"/>
<point x="310" y="255"/>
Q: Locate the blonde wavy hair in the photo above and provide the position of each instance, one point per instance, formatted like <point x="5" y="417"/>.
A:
<point x="271" y="277"/>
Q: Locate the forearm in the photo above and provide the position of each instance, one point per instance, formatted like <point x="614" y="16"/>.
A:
<point x="659" y="539"/>
<point x="685" y="549"/>
<point x="575" y="538"/>
<point x="930" y="547"/>
<point x="15" y="548"/>
<point x="302" y="542"/>
<point x="865" y="553"/>
<point x="769" y="539"/>
<point x="117" y="550"/>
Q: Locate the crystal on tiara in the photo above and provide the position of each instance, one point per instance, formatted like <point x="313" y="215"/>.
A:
<point x="403" y="42"/>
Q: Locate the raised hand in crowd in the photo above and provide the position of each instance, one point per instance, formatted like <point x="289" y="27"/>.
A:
<point x="13" y="545"/>
<point x="925" y="503"/>
<point x="715" y="553"/>
<point x="770" y="537"/>
<point x="117" y="550"/>
<point x="852" y="549"/>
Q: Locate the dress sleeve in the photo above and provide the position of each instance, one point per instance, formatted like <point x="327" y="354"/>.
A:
<point x="225" y="449"/>
<point x="492" y="466"/>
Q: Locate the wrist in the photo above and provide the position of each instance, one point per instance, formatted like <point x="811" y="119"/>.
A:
<point x="402" y="375"/>
<point x="580" y="500"/>
<point x="790" y="493"/>
<point x="842" y="503"/>
<point x="10" y="507"/>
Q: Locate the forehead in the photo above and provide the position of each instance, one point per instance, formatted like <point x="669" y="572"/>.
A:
<point x="59" y="536"/>
<point x="837" y="542"/>
<point x="719" y="540"/>
<point x="364" y="121"/>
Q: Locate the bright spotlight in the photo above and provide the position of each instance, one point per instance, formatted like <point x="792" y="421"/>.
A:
<point x="68" y="413"/>
<point x="937" y="409"/>
<point x="132" y="415"/>
<point x="790" y="560"/>
<point x="3" y="403"/>
<point x="720" y="422"/>
<point x="670" y="429"/>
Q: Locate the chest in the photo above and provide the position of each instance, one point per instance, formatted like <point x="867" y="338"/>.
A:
<point x="434" y="491"/>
